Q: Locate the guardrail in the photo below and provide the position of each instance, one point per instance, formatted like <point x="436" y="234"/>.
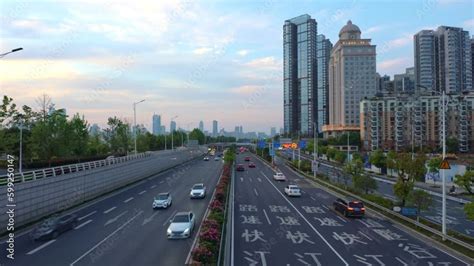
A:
<point x="391" y="212"/>
<point x="70" y="168"/>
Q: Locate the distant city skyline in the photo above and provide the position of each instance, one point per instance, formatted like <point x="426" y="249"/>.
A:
<point x="210" y="67"/>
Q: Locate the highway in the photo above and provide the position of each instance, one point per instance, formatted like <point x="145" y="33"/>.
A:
<point x="122" y="228"/>
<point x="271" y="229"/>
<point x="455" y="219"/>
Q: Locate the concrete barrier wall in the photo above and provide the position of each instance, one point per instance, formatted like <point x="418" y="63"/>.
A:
<point x="37" y="199"/>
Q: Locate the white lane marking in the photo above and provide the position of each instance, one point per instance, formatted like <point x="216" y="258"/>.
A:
<point x="161" y="182"/>
<point x="127" y="200"/>
<point x="147" y="220"/>
<point x="109" y="210"/>
<point x="144" y="191"/>
<point x="41" y="247"/>
<point x="313" y="198"/>
<point x="401" y="261"/>
<point x="365" y="236"/>
<point x="259" y="179"/>
<point x="250" y="179"/>
<point x="268" y="219"/>
<point x="340" y="218"/>
<point x="83" y="224"/>
<point x="85" y="216"/>
<point x="115" y="218"/>
<point x="310" y="225"/>
<point x="154" y="186"/>
<point x="105" y="239"/>
<point x="168" y="220"/>
<point x="241" y="179"/>
<point x="256" y="193"/>
<point x="325" y="207"/>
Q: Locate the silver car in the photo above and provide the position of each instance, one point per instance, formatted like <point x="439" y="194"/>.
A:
<point x="182" y="225"/>
<point x="163" y="200"/>
<point x="198" y="191"/>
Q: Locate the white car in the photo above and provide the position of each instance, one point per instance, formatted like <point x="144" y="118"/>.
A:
<point x="293" y="190"/>
<point x="279" y="177"/>
<point x="198" y="191"/>
<point x="163" y="200"/>
<point x="181" y="226"/>
<point x="216" y="158"/>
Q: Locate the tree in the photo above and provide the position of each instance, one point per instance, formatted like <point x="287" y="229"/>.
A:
<point x="354" y="167"/>
<point x="364" y="183"/>
<point x="340" y="156"/>
<point x="469" y="210"/>
<point x="378" y="159"/>
<point x="331" y="153"/>
<point x="421" y="200"/>
<point x="402" y="189"/>
<point x="118" y="135"/>
<point x="7" y="110"/>
<point x="77" y="134"/>
<point x="433" y="165"/>
<point x="452" y="145"/>
<point x="197" y="134"/>
<point x="466" y="180"/>
<point x="391" y="160"/>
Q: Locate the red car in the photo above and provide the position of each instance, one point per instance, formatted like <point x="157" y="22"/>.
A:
<point x="251" y="165"/>
<point x="240" y="167"/>
<point x="247" y="159"/>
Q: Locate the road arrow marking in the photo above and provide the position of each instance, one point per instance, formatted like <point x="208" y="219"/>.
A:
<point x="115" y="219"/>
<point x="147" y="220"/>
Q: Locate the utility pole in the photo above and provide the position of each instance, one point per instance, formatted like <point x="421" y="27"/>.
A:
<point x="21" y="147"/>
<point x="135" y="123"/>
<point x="442" y="170"/>
<point x="315" y="149"/>
<point x="348" y="154"/>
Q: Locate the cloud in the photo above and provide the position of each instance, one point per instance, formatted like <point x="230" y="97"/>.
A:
<point x="268" y="62"/>
<point x="246" y="89"/>
<point x="394" y="66"/>
<point x="373" y="29"/>
<point x="468" y="25"/>
<point x="202" y="50"/>
<point x="399" y="42"/>
<point x="243" y="52"/>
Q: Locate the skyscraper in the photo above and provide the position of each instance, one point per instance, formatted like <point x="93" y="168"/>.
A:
<point x="323" y="55"/>
<point x="214" y="128"/>
<point x="404" y="82"/>
<point x="273" y="131"/>
<point x="172" y="126"/>
<point x="443" y="59"/>
<point x="299" y="74"/>
<point x="351" y="78"/>
<point x="201" y="126"/>
<point x="156" y="124"/>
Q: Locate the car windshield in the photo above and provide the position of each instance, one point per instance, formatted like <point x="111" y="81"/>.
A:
<point x="295" y="188"/>
<point x="356" y="204"/>
<point x="161" y="197"/>
<point x="181" y="219"/>
<point x="197" y="186"/>
<point x="48" y="223"/>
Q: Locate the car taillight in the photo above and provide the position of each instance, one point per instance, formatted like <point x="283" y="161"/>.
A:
<point x="362" y="209"/>
<point x="350" y="209"/>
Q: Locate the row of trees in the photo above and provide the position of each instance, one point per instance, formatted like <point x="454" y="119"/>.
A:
<point x="49" y="135"/>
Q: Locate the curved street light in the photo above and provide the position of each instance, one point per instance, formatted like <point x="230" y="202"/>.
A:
<point x="135" y="123"/>
<point x="12" y="51"/>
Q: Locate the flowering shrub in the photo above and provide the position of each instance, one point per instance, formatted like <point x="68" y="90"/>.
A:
<point x="210" y="234"/>
<point x="217" y="206"/>
<point x="202" y="255"/>
<point x="208" y="223"/>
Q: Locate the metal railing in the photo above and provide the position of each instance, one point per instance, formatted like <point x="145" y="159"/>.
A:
<point x="67" y="169"/>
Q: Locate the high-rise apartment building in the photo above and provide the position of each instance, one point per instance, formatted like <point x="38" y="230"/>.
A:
<point x="201" y="126"/>
<point x="214" y="128"/>
<point x="352" y="77"/>
<point x="172" y="126"/>
<point x="404" y="83"/>
<point x="299" y="75"/>
<point x="443" y="60"/>
<point x="323" y="54"/>
<point x="273" y="131"/>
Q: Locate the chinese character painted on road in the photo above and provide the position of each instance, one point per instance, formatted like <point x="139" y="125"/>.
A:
<point x="247" y="208"/>
<point x="312" y="209"/>
<point x="250" y="219"/>
<point x="312" y="255"/>
<point x="276" y="208"/>
<point x="438" y="219"/>
<point x="253" y="236"/>
<point x="328" y="222"/>
<point x="255" y="259"/>
<point x="417" y="251"/>
<point x="439" y="263"/>
<point x="298" y="237"/>
<point x="347" y="239"/>
<point x="370" y="223"/>
<point x="288" y="220"/>
<point x="365" y="261"/>
<point x="388" y="235"/>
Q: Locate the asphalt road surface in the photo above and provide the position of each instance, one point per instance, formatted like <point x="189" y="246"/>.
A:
<point x="123" y="229"/>
<point x="455" y="216"/>
<point x="271" y="229"/>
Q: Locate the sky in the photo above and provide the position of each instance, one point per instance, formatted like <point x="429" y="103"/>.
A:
<point x="198" y="60"/>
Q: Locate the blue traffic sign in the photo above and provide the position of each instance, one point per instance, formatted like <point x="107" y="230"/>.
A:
<point x="302" y="144"/>
<point x="409" y="211"/>
<point x="276" y="144"/>
<point x="261" y="144"/>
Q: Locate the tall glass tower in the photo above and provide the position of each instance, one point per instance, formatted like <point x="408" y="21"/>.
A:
<point x="299" y="75"/>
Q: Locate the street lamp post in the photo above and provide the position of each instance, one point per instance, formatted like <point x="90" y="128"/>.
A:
<point x="12" y="51"/>
<point x="348" y="155"/>
<point x="135" y="123"/>
<point x="443" y="174"/>
<point x="21" y="148"/>
<point x="315" y="148"/>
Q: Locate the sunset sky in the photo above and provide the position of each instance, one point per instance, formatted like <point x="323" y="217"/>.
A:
<point x="200" y="60"/>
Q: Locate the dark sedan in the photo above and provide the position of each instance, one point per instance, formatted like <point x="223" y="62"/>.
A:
<point x="240" y="167"/>
<point x="52" y="227"/>
<point x="349" y="207"/>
